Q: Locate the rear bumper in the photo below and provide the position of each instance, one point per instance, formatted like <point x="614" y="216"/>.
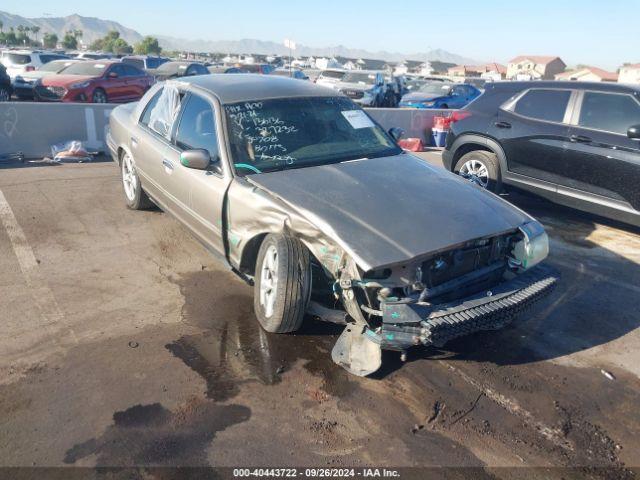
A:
<point x="411" y="324"/>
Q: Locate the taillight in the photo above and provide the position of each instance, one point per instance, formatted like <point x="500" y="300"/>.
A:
<point x="29" y="68"/>
<point x="459" y="115"/>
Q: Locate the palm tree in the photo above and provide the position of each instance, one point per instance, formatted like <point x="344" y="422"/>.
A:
<point x="35" y="29"/>
<point x="1" y="26"/>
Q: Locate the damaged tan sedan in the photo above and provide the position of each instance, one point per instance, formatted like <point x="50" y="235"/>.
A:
<point x="297" y="190"/>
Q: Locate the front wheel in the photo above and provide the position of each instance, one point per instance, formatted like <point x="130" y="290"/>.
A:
<point x="482" y="168"/>
<point x="282" y="283"/>
<point x="135" y="196"/>
<point x="99" y="96"/>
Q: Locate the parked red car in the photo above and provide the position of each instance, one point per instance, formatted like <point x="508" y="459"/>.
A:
<point x="95" y="82"/>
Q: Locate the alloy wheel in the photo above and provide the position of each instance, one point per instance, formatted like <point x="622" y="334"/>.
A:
<point x="269" y="281"/>
<point x="476" y="172"/>
<point x="129" y="178"/>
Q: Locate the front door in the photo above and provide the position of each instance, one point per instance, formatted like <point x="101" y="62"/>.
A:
<point x="200" y="193"/>
<point x="534" y="133"/>
<point x="602" y="160"/>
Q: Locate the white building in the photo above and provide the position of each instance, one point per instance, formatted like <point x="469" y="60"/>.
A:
<point x="630" y="74"/>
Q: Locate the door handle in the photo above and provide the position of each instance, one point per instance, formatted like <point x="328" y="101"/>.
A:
<point x="168" y="166"/>
<point x="502" y="125"/>
<point x="134" y="142"/>
<point x="580" y="139"/>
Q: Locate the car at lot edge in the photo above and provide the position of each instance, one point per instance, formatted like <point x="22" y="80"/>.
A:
<point x="300" y="192"/>
<point x="575" y="143"/>
<point x="99" y="81"/>
<point x="440" y="95"/>
<point x="21" y="61"/>
<point x="366" y="88"/>
<point x="144" y="62"/>
<point x="24" y="83"/>
<point x="292" y="73"/>
<point x="330" y="77"/>
<point x="176" y="69"/>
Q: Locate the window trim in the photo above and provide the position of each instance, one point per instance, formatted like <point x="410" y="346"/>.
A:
<point x="575" y="119"/>
<point x="147" y="128"/>
<point x="215" y="111"/>
<point x="510" y="105"/>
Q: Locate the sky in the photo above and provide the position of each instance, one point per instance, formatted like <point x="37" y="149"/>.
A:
<point x="592" y="32"/>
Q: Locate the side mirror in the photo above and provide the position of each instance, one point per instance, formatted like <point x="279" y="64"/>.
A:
<point x="634" y="132"/>
<point x="198" y="159"/>
<point x="396" y="133"/>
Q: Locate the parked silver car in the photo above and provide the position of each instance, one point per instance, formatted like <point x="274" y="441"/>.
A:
<point x="297" y="190"/>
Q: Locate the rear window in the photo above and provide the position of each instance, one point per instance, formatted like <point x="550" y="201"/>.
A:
<point x="16" y="58"/>
<point x="548" y="105"/>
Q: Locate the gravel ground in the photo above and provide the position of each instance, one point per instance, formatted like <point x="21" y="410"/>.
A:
<point x="126" y="344"/>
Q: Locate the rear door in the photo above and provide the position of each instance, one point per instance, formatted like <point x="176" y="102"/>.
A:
<point x="533" y="129"/>
<point x="135" y="82"/>
<point x="199" y="194"/>
<point x="602" y="160"/>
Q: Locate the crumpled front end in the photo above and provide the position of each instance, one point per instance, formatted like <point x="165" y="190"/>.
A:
<point x="481" y="285"/>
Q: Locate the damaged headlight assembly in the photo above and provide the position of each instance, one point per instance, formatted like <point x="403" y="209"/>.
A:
<point x="532" y="249"/>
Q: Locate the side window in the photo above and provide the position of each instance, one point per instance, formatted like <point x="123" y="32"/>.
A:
<point x="118" y="70"/>
<point x="131" y="71"/>
<point x="549" y="105"/>
<point x="609" y="112"/>
<point x="146" y="115"/>
<point x="197" y="127"/>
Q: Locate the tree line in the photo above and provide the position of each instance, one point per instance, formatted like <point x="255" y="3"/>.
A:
<point x="27" y="36"/>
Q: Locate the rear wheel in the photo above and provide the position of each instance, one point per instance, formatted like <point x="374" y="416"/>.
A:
<point x="282" y="283"/>
<point x="482" y="168"/>
<point x="135" y="196"/>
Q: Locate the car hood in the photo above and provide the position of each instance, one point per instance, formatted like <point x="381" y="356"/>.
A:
<point x="420" y="97"/>
<point x="65" y="80"/>
<point x="389" y="210"/>
<point x="352" y="86"/>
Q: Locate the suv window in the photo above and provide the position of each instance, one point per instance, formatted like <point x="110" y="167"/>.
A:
<point x="549" y="105"/>
<point x="50" y="58"/>
<point x="197" y="126"/>
<point x="17" y="58"/>
<point x="609" y="112"/>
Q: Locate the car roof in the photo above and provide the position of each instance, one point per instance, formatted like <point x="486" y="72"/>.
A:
<point x="598" y="86"/>
<point x="251" y="87"/>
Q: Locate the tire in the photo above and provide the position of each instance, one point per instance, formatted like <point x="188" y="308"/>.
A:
<point x="135" y="196"/>
<point x="5" y="94"/>
<point x="482" y="168"/>
<point x="280" y="306"/>
<point x="99" y="96"/>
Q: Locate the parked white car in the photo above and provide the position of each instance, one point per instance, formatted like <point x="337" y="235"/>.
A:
<point x="330" y="77"/>
<point x="21" y="61"/>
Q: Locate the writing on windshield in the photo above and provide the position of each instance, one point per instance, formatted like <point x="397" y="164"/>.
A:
<point x="275" y="134"/>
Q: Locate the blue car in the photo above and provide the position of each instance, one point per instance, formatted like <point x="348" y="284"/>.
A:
<point x="440" y="95"/>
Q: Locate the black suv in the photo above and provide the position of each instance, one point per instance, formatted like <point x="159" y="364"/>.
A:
<point x="574" y="143"/>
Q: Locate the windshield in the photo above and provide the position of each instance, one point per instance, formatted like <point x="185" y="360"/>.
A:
<point x="274" y="135"/>
<point x="355" y="77"/>
<point x="435" y="89"/>
<point x="93" y="69"/>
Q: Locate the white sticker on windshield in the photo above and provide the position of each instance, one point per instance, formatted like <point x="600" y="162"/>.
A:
<point x="99" y="65"/>
<point x="357" y="119"/>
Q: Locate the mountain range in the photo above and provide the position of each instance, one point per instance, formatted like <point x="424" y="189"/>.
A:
<point x="94" y="28"/>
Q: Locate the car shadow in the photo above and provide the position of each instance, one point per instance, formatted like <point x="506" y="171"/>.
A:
<point x="45" y="162"/>
<point x="594" y="303"/>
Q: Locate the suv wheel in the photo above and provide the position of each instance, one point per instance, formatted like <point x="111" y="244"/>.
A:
<point x="481" y="168"/>
<point x="282" y="283"/>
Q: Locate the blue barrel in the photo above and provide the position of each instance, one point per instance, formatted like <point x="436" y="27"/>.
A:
<point x="439" y="137"/>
